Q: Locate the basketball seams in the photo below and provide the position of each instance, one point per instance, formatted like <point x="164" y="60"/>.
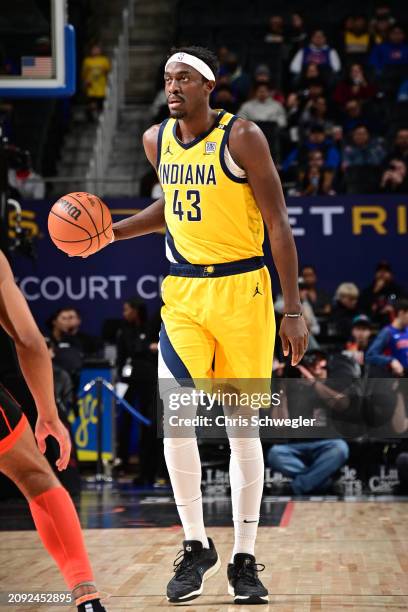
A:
<point x="101" y="204"/>
<point x="87" y="212"/>
<point x="70" y="222"/>
<point x="83" y="239"/>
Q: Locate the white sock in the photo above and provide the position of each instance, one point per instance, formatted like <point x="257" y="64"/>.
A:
<point x="184" y="467"/>
<point x="246" y="479"/>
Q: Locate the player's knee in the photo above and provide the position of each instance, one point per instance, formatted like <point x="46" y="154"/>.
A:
<point x="245" y="447"/>
<point x="36" y="479"/>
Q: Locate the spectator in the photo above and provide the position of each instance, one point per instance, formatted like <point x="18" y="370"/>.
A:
<point x="317" y="297"/>
<point x="363" y="150"/>
<point x="375" y="299"/>
<point x="312" y="463"/>
<point x="311" y="78"/>
<point x="276" y="30"/>
<point x="89" y="345"/>
<point x="232" y="73"/>
<point x="400" y="146"/>
<point x="344" y="310"/>
<point x="390" y="348"/>
<point x="68" y="353"/>
<point x="381" y="23"/>
<point x="311" y="182"/>
<point x="361" y="332"/>
<point x="317" y="52"/>
<point x="63" y="389"/>
<point x="95" y="69"/>
<point x="394" y="52"/>
<point x="297" y="34"/>
<point x="137" y="350"/>
<point x="316" y="113"/>
<point x="354" y="116"/>
<point x="223" y="97"/>
<point x="263" y="108"/>
<point x="356" y="35"/>
<point x="263" y="75"/>
<point x="316" y="140"/>
<point x="395" y="178"/>
<point x="293" y="112"/>
<point x="354" y="87"/>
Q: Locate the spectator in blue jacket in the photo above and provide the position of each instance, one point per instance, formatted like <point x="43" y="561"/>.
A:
<point x="316" y="141"/>
<point x="390" y="348"/>
<point x="394" y="52"/>
<point x="363" y="150"/>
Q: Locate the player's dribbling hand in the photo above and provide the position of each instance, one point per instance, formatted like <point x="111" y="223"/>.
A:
<point x="295" y="336"/>
<point x="56" y="429"/>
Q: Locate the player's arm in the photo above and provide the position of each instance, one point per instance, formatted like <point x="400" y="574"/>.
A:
<point x="250" y="150"/>
<point x="151" y="219"/>
<point x="34" y="360"/>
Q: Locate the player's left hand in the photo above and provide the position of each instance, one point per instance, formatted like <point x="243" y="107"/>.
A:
<point x="295" y="336"/>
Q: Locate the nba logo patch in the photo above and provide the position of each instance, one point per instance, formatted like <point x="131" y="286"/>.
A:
<point x="210" y="147"/>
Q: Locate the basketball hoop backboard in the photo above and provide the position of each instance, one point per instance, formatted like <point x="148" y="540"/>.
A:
<point x="37" y="50"/>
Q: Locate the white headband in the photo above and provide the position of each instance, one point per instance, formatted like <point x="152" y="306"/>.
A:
<point x="194" y="62"/>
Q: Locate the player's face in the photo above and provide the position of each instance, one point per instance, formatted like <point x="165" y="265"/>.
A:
<point x="186" y="91"/>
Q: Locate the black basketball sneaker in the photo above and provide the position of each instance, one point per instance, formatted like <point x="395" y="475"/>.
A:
<point x="91" y="606"/>
<point x="243" y="582"/>
<point x="193" y="565"/>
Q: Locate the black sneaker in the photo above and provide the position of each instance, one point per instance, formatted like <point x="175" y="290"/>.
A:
<point x="243" y="582"/>
<point x="91" y="606"/>
<point x="194" y="565"/>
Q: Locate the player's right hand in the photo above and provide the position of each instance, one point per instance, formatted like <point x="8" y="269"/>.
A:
<point x="55" y="428"/>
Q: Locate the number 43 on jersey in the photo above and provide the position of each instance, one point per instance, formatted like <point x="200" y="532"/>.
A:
<point x="192" y="204"/>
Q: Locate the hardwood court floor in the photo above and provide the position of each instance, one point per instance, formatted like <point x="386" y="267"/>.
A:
<point x="331" y="556"/>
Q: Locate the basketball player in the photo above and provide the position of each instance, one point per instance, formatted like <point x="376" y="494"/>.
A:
<point x="220" y="186"/>
<point x="51" y="507"/>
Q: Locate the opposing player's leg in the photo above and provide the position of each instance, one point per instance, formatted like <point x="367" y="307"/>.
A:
<point x="186" y="353"/>
<point x="244" y="357"/>
<point x="51" y="507"/>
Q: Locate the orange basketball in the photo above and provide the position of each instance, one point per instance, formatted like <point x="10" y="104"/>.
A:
<point x="80" y="224"/>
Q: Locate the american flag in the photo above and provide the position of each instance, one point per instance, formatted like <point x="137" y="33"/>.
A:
<point x="32" y="66"/>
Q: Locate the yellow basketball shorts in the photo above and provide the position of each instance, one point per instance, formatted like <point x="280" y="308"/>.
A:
<point x="217" y="322"/>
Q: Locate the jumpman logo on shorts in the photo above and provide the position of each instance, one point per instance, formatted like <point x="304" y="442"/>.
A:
<point x="257" y="292"/>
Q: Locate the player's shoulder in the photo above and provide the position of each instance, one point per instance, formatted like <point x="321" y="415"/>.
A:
<point x="150" y="135"/>
<point x="244" y="129"/>
<point x="244" y="137"/>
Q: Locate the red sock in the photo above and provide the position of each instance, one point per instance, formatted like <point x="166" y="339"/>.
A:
<point x="58" y="525"/>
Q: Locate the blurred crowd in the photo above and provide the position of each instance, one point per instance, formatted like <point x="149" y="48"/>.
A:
<point x="334" y="108"/>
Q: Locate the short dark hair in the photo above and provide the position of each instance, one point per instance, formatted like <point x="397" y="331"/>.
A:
<point x="401" y="305"/>
<point x="204" y="54"/>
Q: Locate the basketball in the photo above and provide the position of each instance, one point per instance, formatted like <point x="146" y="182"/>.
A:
<point x="80" y="224"/>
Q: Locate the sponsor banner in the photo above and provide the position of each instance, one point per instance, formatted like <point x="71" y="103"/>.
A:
<point x="343" y="237"/>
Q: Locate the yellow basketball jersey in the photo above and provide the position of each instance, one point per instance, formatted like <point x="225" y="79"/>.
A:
<point x="210" y="210"/>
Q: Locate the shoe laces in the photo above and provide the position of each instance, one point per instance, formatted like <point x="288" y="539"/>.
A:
<point x="249" y="572"/>
<point x="183" y="562"/>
